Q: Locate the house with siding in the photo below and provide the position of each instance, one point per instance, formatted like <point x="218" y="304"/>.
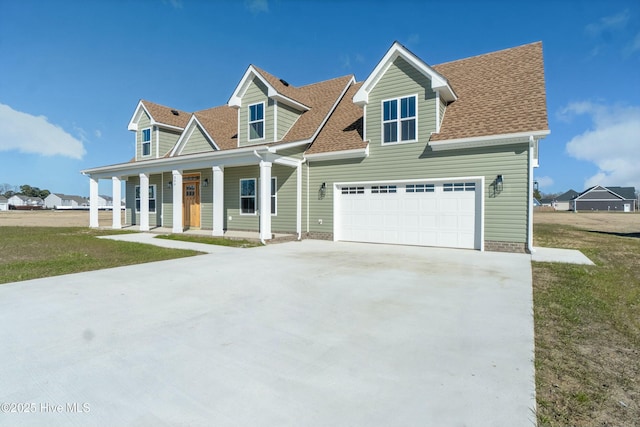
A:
<point x="64" y="201"/>
<point x="4" y="203"/>
<point x="414" y="154"/>
<point x="19" y="201"/>
<point x="608" y="199"/>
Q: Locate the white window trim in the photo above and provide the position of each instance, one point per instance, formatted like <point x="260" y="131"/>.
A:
<point x="398" y="121"/>
<point x="155" y="194"/>
<point x="142" y="141"/>
<point x="255" y="196"/>
<point x="274" y="196"/>
<point x="249" y="122"/>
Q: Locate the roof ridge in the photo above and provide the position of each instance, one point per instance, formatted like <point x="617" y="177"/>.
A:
<point x="163" y="106"/>
<point x="489" y="53"/>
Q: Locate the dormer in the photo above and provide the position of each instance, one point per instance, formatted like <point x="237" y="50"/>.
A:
<point x="267" y="107"/>
<point x="157" y="129"/>
<point x="404" y="99"/>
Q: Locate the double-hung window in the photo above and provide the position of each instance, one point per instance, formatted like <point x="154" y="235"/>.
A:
<point x="152" y="198"/>
<point x="256" y="121"/>
<point x="146" y="142"/>
<point x="399" y="119"/>
<point x="248" y="196"/>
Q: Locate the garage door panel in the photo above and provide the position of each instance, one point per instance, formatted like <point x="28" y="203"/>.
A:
<point x="426" y="214"/>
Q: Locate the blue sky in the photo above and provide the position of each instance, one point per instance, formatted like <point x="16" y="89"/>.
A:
<point x="72" y="72"/>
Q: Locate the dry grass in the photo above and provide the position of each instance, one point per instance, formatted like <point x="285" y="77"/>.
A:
<point x="587" y="321"/>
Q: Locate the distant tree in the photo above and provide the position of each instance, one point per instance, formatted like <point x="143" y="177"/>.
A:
<point x="537" y="194"/>
<point x="6" y="189"/>
<point x="29" y="191"/>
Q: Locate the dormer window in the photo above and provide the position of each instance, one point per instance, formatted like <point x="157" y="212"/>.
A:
<point x="399" y="119"/>
<point x="256" y="121"/>
<point x="146" y="142"/>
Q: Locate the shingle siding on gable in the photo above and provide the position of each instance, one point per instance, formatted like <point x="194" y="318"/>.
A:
<point x="287" y="116"/>
<point x="256" y="92"/>
<point x="400" y="80"/>
<point x="168" y="140"/>
<point x="196" y="143"/>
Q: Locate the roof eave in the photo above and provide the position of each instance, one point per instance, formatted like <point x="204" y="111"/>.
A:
<point x="488" y="140"/>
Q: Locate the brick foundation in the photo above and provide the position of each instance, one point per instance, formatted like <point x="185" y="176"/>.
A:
<point x="317" y="236"/>
<point x="493" y="246"/>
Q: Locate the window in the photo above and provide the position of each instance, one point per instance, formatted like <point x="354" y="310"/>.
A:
<point x="399" y="127"/>
<point x="146" y="142"/>
<point x="352" y="190"/>
<point x="274" y="196"/>
<point x="459" y="186"/>
<point x="152" y="198"/>
<point x="420" y="188"/>
<point x="256" y="121"/>
<point x="248" y="196"/>
<point x="377" y="189"/>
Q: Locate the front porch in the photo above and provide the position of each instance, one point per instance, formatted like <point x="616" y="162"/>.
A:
<point x="228" y="234"/>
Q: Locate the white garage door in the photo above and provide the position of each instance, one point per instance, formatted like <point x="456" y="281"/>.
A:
<point x="425" y="214"/>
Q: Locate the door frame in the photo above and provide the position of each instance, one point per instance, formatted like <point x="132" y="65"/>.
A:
<point x="189" y="179"/>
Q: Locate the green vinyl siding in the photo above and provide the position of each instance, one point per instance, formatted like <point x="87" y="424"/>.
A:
<point x="144" y="123"/>
<point x="284" y="221"/>
<point x="287" y="116"/>
<point x="256" y="93"/>
<point x="401" y="80"/>
<point x="505" y="213"/>
<point x="131" y="216"/>
<point x="206" y="198"/>
<point x="197" y="142"/>
<point x="168" y="139"/>
<point x="167" y="200"/>
<point x="233" y="219"/>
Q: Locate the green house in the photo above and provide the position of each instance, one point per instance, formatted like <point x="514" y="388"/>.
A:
<point x="415" y="154"/>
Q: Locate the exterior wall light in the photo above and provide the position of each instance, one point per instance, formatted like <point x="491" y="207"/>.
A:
<point x="323" y="189"/>
<point x="206" y="182"/>
<point x="169" y="184"/>
<point x="499" y="183"/>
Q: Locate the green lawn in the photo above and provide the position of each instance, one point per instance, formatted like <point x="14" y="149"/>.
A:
<point x="33" y="252"/>
<point x="587" y="324"/>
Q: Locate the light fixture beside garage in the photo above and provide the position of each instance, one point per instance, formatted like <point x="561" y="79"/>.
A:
<point x="323" y="190"/>
<point x="499" y="183"/>
<point x="205" y="183"/>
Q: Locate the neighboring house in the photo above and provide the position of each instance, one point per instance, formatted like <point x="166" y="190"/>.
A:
<point x="536" y="203"/>
<point x="546" y="201"/>
<point x="4" y="203"/>
<point x="414" y="154"/>
<point x="599" y="198"/>
<point x="562" y="202"/>
<point x="65" y="201"/>
<point x="18" y="201"/>
<point x="105" y="201"/>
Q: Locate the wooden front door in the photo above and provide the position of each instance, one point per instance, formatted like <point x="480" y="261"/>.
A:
<point x="191" y="204"/>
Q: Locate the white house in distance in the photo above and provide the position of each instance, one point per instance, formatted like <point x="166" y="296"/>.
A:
<point x="4" y="203"/>
<point x="24" y="202"/>
<point x="65" y="201"/>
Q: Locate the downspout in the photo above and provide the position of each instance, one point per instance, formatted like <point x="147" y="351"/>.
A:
<point x="530" y="198"/>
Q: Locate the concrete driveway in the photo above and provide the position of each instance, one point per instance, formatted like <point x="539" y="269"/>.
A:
<point x="308" y="333"/>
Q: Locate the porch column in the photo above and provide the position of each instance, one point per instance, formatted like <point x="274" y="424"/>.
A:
<point x="144" y="202"/>
<point x="218" y="201"/>
<point x="299" y="200"/>
<point x="115" y="205"/>
<point x="265" y="200"/>
<point x="177" y="201"/>
<point x="93" y="202"/>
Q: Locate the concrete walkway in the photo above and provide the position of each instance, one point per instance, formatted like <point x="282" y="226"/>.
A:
<point x="150" y="239"/>
<point x="567" y="256"/>
<point x="309" y="333"/>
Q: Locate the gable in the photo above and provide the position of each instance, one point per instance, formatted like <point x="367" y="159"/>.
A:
<point x="599" y="193"/>
<point x="196" y="141"/>
<point x="256" y="93"/>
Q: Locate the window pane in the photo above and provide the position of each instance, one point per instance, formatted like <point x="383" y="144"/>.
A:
<point x="137" y="192"/>
<point x="152" y="205"/>
<point x="152" y="192"/>
<point x="408" y="130"/>
<point x="390" y="110"/>
<point x="390" y="132"/>
<point x="256" y="130"/>
<point x="408" y="107"/>
<point x="248" y="205"/>
<point x="146" y="135"/>
<point x="138" y="205"/>
<point x="248" y="187"/>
